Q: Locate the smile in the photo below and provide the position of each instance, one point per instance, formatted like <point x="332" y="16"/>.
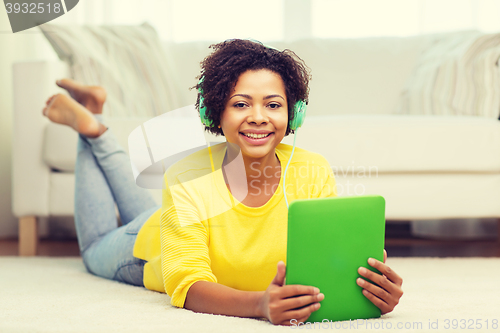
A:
<point x="256" y="136"/>
<point x="257" y="139"/>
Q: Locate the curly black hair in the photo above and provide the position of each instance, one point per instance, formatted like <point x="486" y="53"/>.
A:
<point x="221" y="69"/>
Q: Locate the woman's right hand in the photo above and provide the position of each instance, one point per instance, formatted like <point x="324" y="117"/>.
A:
<point x="281" y="304"/>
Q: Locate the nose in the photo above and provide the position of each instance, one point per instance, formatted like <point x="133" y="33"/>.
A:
<point x="258" y="115"/>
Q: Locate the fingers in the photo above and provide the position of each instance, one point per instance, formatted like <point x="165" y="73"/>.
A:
<point x="384" y="298"/>
<point x="380" y="292"/>
<point x="301" y="315"/>
<point x="296" y="290"/>
<point x="295" y="303"/>
<point x="385" y="286"/>
<point x="279" y="278"/>
<point x="383" y="306"/>
<point x="386" y="270"/>
<point x="385" y="256"/>
<point x="386" y="294"/>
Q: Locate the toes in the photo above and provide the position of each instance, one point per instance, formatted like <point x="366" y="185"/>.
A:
<point x="50" y="99"/>
<point x="61" y="83"/>
<point x="53" y="100"/>
<point x="91" y="97"/>
<point x="67" y="84"/>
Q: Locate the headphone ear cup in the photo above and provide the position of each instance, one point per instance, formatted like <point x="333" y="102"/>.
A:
<point x="299" y="111"/>
<point x="203" y="109"/>
<point x="203" y="113"/>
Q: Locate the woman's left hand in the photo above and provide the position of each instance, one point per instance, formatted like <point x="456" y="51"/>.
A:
<point x="386" y="295"/>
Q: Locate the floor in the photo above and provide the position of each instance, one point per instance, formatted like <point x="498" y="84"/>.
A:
<point x="399" y="243"/>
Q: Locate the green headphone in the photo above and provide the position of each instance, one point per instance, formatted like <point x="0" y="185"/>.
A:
<point x="299" y="112"/>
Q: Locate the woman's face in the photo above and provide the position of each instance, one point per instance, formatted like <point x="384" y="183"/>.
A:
<point x="256" y="114"/>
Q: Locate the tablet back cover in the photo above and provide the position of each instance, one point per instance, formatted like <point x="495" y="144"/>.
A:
<point x="328" y="240"/>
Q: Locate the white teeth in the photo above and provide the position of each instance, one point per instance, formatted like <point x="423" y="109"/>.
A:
<point x="256" y="136"/>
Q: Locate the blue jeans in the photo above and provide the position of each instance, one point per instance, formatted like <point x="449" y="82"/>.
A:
<point x="103" y="177"/>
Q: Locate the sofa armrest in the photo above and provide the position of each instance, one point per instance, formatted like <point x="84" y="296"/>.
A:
<point x="33" y="84"/>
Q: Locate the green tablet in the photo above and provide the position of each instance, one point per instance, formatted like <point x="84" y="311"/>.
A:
<point x="328" y="240"/>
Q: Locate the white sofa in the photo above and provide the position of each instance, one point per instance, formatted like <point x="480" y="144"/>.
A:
<point x="426" y="166"/>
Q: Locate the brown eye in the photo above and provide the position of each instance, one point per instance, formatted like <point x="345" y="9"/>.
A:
<point x="239" y="105"/>
<point x="274" y="105"/>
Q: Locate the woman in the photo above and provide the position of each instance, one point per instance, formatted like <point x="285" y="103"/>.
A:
<point x="215" y="243"/>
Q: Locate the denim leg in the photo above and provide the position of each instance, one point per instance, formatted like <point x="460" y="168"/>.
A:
<point x="106" y="249"/>
<point x="111" y="256"/>
<point x="130" y="199"/>
<point x="94" y="204"/>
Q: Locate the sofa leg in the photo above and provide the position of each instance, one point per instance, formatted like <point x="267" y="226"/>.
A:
<point x="28" y="235"/>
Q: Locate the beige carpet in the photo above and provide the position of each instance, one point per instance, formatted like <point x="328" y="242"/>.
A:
<point x="45" y="294"/>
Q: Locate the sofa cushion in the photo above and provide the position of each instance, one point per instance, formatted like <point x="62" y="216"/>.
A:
<point x="403" y="194"/>
<point x="62" y="194"/>
<point x="357" y="76"/>
<point x="129" y="61"/>
<point x="349" y="76"/>
<point x="376" y="144"/>
<point x="60" y="142"/>
<point x="403" y="143"/>
<point x="457" y="74"/>
<point x="428" y="195"/>
<point x="386" y="75"/>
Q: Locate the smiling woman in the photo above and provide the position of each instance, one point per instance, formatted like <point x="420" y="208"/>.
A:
<point x="223" y="222"/>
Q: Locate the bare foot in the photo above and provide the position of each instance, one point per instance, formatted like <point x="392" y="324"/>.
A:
<point x="64" y="110"/>
<point x="91" y="97"/>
